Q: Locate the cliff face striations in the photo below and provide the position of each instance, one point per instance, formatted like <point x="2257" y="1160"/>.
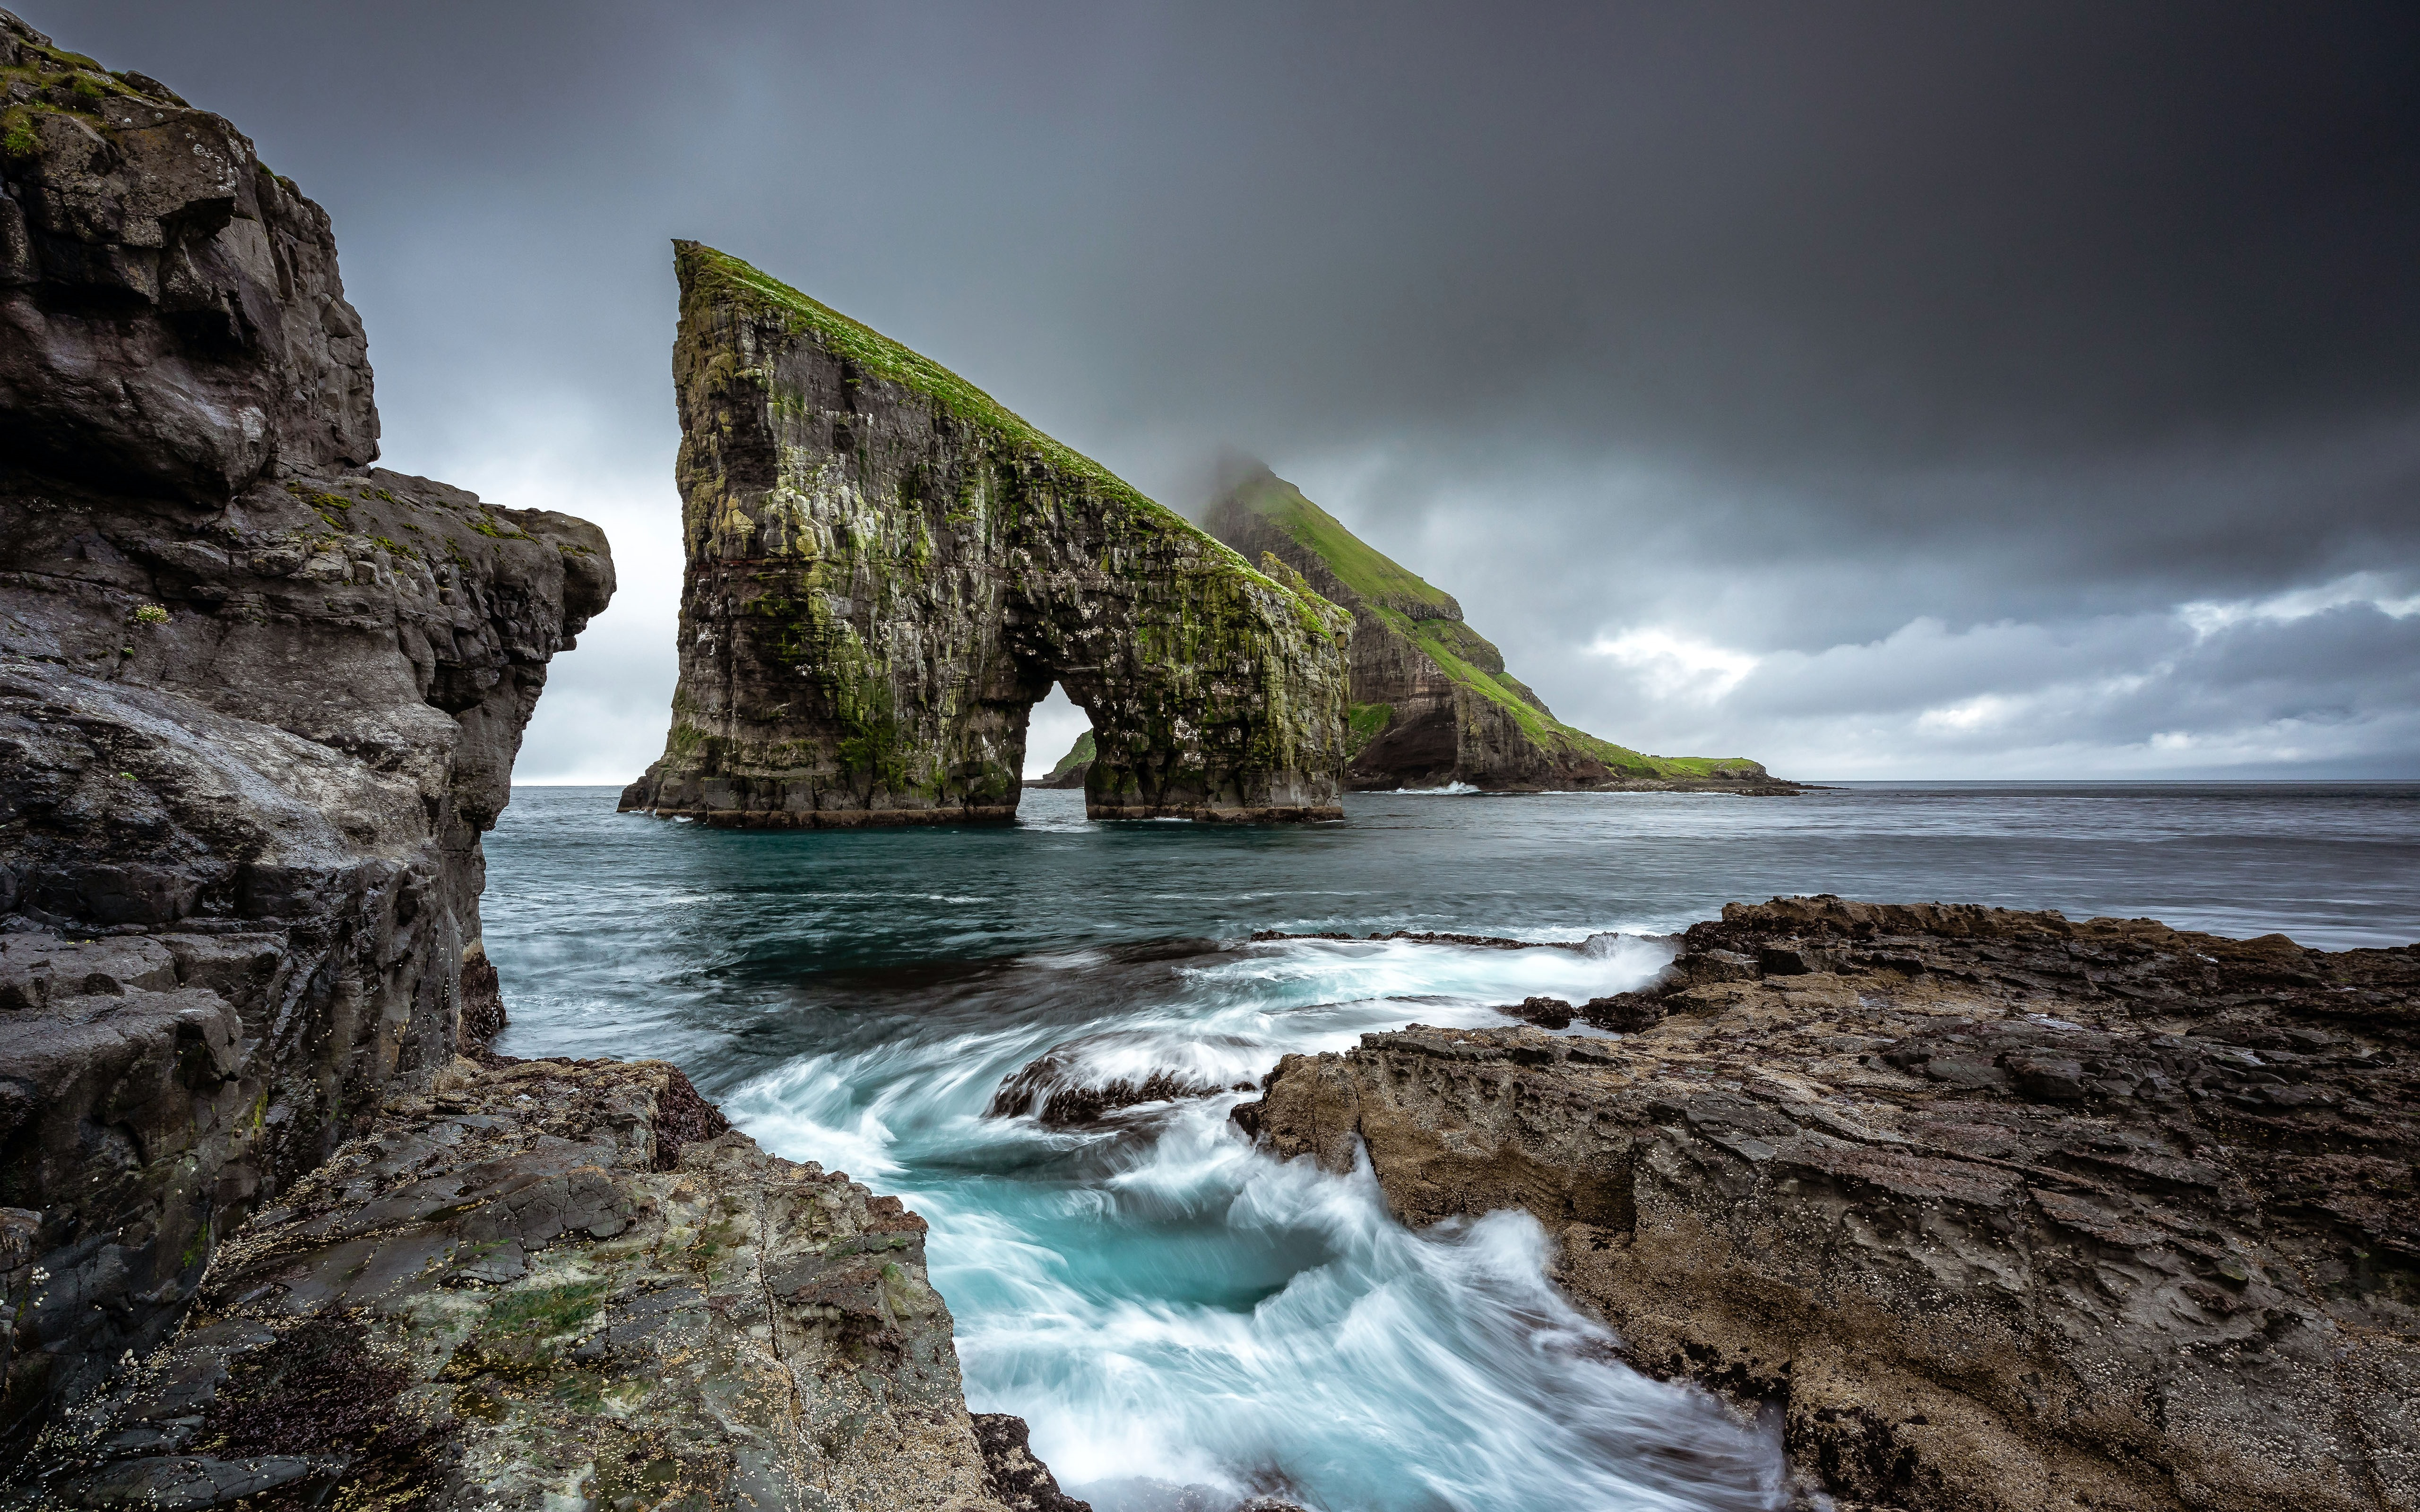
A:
<point x="887" y="570"/>
<point x="1431" y="702"/>
<point x="257" y="702"/>
<point x="1999" y="1210"/>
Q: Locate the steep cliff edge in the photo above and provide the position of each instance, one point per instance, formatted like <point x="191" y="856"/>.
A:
<point x="1430" y="702"/>
<point x="887" y="570"/>
<point x="257" y="702"/>
<point x="2001" y="1211"/>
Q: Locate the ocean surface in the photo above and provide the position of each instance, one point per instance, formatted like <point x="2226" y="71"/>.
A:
<point x="1169" y="1308"/>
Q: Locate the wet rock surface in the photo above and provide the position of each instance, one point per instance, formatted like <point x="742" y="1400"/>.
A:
<point x="887" y="571"/>
<point x="1056" y="1090"/>
<point x="518" y="1291"/>
<point x="257" y="702"/>
<point x="1998" y="1210"/>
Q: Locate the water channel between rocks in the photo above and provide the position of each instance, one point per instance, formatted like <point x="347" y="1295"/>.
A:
<point x="1162" y="1303"/>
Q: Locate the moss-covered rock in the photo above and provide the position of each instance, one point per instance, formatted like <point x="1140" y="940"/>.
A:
<point x="1430" y="702"/>
<point x="887" y="570"/>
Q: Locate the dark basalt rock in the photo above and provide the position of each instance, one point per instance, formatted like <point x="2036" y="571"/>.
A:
<point x="171" y="320"/>
<point x="1055" y="1090"/>
<point x="257" y="702"/>
<point x="1546" y="1012"/>
<point x="1016" y="1479"/>
<point x="887" y="570"/>
<point x="1998" y="1210"/>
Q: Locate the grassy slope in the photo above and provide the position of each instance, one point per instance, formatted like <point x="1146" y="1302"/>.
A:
<point x="1078" y="754"/>
<point x="1389" y="587"/>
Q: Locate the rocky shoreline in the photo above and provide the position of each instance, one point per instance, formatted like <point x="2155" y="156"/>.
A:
<point x="1996" y="1209"/>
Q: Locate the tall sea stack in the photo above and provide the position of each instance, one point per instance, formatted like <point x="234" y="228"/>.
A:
<point x="887" y="570"/>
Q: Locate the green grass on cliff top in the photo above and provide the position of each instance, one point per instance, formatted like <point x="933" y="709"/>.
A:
<point x="1392" y="588"/>
<point x="875" y="353"/>
<point x="1078" y="754"/>
<point x="1357" y="565"/>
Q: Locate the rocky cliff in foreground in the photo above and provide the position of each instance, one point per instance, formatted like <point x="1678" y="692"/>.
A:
<point x="887" y="571"/>
<point x="257" y="702"/>
<point x="1996" y="1209"/>
<point x="1430" y="701"/>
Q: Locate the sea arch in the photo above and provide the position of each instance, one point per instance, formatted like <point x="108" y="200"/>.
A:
<point x="886" y="570"/>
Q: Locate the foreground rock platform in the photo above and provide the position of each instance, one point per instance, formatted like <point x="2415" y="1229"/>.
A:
<point x="2001" y="1210"/>
<point x="553" y="1284"/>
<point x="887" y="570"/>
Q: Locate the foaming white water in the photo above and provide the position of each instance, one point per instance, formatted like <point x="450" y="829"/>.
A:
<point x="1165" y="1305"/>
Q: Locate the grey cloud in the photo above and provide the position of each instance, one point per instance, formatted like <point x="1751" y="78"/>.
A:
<point x="1781" y="327"/>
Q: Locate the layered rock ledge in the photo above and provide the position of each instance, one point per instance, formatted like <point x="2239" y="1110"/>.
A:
<point x="887" y="570"/>
<point x="548" y="1284"/>
<point x="2001" y="1211"/>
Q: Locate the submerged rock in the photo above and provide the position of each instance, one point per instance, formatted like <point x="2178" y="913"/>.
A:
<point x="257" y="702"/>
<point x="1430" y="702"/>
<point x="518" y="1290"/>
<point x="1996" y="1209"/>
<point x="887" y="571"/>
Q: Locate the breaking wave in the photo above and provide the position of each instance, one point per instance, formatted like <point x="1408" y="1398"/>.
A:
<point x="1183" y="1319"/>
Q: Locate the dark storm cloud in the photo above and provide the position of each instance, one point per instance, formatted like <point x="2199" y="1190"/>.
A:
<point x="1783" y="329"/>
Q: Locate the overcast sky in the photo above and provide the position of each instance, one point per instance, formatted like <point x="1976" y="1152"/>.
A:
<point x="1877" y="390"/>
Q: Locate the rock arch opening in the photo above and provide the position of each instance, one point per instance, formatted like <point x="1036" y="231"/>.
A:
<point x="1058" y="741"/>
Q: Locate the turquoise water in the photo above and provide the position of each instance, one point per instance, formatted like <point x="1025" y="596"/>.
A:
<point x="1168" y="1307"/>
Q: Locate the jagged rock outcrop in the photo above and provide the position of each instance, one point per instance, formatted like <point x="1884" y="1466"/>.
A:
<point x="170" y="315"/>
<point x="2000" y="1211"/>
<point x="257" y="702"/>
<point x="887" y="570"/>
<point x="1072" y="768"/>
<point x="548" y="1283"/>
<point x="1430" y="701"/>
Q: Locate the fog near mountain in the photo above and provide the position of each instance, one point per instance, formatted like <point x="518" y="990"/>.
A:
<point x="1871" y="389"/>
